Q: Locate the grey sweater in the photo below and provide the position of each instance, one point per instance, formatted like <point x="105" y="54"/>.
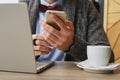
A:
<point x="87" y="23"/>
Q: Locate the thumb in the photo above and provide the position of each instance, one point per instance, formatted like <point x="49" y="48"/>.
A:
<point x="69" y="25"/>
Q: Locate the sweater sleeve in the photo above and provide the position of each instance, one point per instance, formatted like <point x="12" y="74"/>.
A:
<point x="95" y="34"/>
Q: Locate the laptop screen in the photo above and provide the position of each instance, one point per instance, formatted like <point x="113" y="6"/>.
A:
<point x="16" y="48"/>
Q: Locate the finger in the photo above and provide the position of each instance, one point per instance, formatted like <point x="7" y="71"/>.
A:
<point x="42" y="42"/>
<point x="34" y="36"/>
<point x="37" y="36"/>
<point x="49" y="28"/>
<point x="38" y="53"/>
<point x="49" y="40"/>
<point x="69" y="25"/>
<point x="59" y="22"/>
<point x="42" y="48"/>
<point x="48" y="35"/>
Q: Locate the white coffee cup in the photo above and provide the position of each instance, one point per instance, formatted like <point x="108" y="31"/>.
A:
<point x="98" y="55"/>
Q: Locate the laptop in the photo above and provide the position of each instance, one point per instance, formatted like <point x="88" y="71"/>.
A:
<point x="16" y="46"/>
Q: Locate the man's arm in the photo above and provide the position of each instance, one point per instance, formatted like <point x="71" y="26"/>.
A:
<point x="94" y="32"/>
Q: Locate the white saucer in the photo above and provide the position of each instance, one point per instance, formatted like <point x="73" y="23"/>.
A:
<point x="102" y="69"/>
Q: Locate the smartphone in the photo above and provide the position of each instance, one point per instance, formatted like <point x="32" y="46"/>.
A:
<point x="50" y="21"/>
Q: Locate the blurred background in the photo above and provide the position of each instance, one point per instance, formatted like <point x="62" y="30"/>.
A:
<point x="8" y="1"/>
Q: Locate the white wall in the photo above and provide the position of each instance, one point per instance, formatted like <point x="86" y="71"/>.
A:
<point x="9" y="1"/>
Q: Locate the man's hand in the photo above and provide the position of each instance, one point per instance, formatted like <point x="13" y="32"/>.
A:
<point x="41" y="46"/>
<point x="59" y="39"/>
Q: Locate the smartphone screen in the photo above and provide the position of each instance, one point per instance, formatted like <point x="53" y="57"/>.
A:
<point x="50" y="21"/>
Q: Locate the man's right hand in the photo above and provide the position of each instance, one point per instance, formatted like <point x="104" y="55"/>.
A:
<point x="41" y="47"/>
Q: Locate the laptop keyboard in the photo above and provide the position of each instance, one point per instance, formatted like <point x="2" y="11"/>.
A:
<point x="39" y="64"/>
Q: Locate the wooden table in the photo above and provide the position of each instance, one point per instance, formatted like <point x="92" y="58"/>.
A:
<point x="61" y="71"/>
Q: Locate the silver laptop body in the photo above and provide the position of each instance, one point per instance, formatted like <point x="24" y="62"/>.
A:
<point x="16" y="47"/>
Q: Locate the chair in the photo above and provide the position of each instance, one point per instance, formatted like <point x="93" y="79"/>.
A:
<point x="112" y="25"/>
